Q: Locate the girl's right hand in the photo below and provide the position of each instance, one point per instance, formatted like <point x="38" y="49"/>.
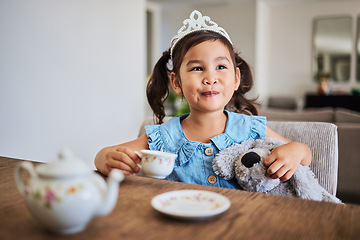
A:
<point x="120" y="157"/>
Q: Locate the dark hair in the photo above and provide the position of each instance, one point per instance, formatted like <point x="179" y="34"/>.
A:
<point x="158" y="86"/>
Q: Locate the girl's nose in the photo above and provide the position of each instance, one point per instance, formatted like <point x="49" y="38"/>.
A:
<point x="209" y="81"/>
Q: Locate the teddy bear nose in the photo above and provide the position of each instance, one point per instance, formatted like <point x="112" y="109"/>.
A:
<point x="249" y="159"/>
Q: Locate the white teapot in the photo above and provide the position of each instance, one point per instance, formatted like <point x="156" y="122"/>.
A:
<point x="65" y="194"/>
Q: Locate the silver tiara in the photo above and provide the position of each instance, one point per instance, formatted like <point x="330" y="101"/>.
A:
<point x="196" y="22"/>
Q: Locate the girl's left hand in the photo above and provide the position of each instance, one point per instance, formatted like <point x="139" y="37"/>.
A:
<point x="285" y="159"/>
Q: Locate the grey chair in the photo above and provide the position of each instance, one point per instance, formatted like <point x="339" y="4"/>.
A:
<point x="322" y="139"/>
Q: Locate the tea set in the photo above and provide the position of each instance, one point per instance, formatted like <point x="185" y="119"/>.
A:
<point x="156" y="164"/>
<point x="64" y="195"/>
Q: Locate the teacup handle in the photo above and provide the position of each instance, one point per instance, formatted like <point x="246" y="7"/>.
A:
<point x="140" y="155"/>
<point x="18" y="170"/>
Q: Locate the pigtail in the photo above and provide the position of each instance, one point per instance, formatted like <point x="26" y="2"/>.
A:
<point x="157" y="89"/>
<point x="239" y="102"/>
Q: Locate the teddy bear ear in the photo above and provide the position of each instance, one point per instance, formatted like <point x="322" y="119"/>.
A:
<point x="223" y="163"/>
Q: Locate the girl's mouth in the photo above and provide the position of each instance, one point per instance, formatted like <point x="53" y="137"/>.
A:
<point x="210" y="93"/>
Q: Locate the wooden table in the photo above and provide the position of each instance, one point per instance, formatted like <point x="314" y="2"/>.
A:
<point x="251" y="215"/>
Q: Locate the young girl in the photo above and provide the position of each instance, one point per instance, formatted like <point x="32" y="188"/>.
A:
<point x="213" y="79"/>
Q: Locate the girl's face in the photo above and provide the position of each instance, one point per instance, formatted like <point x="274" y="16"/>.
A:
<point x="207" y="77"/>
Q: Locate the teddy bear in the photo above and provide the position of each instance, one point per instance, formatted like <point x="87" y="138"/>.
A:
<point x="245" y="162"/>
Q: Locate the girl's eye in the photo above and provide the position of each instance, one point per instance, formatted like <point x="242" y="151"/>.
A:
<point x="221" y="67"/>
<point x="196" y="69"/>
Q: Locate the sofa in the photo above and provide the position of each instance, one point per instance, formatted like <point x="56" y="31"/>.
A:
<point x="348" y="126"/>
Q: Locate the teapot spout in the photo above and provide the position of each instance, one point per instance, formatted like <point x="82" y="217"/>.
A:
<point x="111" y="195"/>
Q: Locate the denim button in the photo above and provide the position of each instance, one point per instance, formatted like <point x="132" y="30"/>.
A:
<point x="208" y="151"/>
<point x="211" y="179"/>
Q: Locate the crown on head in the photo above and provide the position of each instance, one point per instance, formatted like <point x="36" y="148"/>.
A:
<point x="196" y="22"/>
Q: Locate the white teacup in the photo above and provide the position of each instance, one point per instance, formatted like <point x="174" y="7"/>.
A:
<point x="156" y="164"/>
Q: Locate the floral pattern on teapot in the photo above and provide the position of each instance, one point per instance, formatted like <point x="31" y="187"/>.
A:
<point x="49" y="194"/>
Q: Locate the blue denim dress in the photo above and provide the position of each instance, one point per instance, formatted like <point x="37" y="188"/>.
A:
<point x="194" y="161"/>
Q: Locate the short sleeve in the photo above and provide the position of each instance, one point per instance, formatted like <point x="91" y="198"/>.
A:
<point x="155" y="140"/>
<point x="258" y="127"/>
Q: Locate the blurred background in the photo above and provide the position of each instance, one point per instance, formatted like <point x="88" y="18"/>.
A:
<point x="73" y="72"/>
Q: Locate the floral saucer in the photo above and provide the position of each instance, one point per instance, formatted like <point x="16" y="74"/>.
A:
<point x="190" y="204"/>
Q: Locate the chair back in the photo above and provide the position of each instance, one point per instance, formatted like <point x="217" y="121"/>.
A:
<point x="322" y="139"/>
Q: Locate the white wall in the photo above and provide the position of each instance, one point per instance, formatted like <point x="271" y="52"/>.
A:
<point x="72" y="74"/>
<point x="262" y="46"/>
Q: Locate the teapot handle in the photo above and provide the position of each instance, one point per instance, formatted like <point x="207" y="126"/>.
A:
<point x="18" y="170"/>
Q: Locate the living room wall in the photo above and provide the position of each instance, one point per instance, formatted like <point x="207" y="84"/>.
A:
<point x="286" y="68"/>
<point x="72" y="75"/>
<point x="275" y="37"/>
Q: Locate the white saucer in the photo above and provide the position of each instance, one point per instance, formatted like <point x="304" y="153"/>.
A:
<point x="191" y="204"/>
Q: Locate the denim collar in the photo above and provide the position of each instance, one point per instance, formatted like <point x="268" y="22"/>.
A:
<point x="182" y="146"/>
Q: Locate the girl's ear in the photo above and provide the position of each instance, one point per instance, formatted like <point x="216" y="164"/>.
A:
<point x="175" y="83"/>
<point x="237" y="78"/>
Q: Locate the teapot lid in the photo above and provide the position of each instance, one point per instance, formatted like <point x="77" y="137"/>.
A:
<point x="65" y="166"/>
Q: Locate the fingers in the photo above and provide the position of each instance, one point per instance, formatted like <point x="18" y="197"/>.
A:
<point x="269" y="160"/>
<point x="124" y="172"/>
<point x="123" y="165"/>
<point x="284" y="160"/>
<point x="287" y="175"/>
<point x="279" y="167"/>
<point x="279" y="171"/>
<point x="132" y="154"/>
<point x="124" y="159"/>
